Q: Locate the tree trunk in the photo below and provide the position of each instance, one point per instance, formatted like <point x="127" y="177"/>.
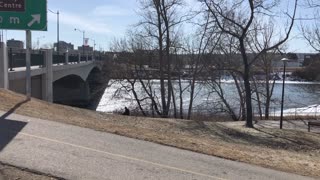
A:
<point x="162" y="87"/>
<point x="246" y="79"/>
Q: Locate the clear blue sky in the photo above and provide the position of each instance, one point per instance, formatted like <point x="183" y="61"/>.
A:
<point x="103" y="20"/>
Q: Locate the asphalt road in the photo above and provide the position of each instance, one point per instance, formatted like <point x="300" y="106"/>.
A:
<point x="77" y="153"/>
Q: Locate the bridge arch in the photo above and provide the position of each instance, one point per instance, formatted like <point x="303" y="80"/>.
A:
<point x="71" y="90"/>
<point x="78" y="89"/>
<point x="80" y="70"/>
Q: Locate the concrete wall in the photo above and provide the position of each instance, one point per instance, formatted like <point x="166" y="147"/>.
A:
<point x="19" y="86"/>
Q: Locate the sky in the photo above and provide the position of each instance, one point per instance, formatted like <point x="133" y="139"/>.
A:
<point x="102" y="21"/>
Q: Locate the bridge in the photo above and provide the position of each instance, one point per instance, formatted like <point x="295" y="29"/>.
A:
<point x="65" y="79"/>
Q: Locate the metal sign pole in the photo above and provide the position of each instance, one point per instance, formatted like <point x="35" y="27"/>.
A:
<point x="28" y="63"/>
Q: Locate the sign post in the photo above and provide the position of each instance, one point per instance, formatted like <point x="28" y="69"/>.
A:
<point x="24" y="15"/>
<point x="28" y="63"/>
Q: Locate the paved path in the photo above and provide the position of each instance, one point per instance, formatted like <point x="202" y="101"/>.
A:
<point x="301" y="125"/>
<point x="77" y="153"/>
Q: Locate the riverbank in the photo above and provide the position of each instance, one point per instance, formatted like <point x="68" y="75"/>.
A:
<point x="286" y="150"/>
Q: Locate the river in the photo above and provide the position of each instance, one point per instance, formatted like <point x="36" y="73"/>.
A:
<point x="297" y="95"/>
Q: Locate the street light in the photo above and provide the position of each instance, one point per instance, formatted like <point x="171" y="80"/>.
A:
<point x="83" y="36"/>
<point x="38" y="42"/>
<point x="284" y="60"/>
<point x="58" y="28"/>
<point x="94" y="45"/>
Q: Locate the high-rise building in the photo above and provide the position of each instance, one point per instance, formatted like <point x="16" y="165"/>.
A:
<point x="63" y="46"/>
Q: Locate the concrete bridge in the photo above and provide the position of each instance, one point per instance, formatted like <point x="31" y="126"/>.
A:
<point x="70" y="83"/>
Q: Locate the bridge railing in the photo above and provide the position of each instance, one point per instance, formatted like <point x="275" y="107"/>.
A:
<point x="17" y="58"/>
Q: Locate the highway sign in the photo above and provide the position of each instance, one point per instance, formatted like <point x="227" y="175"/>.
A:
<point x="23" y="14"/>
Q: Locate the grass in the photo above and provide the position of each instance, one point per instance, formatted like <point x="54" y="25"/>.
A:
<point x="286" y="150"/>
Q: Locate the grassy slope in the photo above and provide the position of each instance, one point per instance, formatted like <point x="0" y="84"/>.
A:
<point x="286" y="150"/>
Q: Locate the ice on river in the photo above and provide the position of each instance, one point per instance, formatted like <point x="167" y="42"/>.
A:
<point x="112" y="101"/>
<point x="115" y="99"/>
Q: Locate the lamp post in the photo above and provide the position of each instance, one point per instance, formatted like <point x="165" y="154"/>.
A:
<point x="58" y="29"/>
<point x="284" y="60"/>
<point x="83" y="36"/>
<point x="94" y="46"/>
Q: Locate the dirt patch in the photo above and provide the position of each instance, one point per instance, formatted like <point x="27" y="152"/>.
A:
<point x="286" y="150"/>
<point x="8" y="172"/>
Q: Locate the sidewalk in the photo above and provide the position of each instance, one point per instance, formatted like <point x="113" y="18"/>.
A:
<point x="301" y="125"/>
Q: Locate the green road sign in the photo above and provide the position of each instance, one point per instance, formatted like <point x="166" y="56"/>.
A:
<point x="23" y="14"/>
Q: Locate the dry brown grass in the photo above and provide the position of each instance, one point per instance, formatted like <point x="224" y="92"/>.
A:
<point x="285" y="150"/>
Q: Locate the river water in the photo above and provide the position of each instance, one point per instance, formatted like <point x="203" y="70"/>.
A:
<point x="297" y="95"/>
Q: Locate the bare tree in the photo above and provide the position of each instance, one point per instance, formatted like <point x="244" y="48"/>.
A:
<point x="237" y="19"/>
<point x="313" y="3"/>
<point x="160" y="20"/>
<point x="174" y="59"/>
<point x="224" y="63"/>
<point x="204" y="42"/>
<point x="311" y="30"/>
<point x="129" y="68"/>
<point x="263" y="76"/>
<point x="264" y="86"/>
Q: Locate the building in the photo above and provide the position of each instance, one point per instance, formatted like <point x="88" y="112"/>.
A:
<point x="85" y="49"/>
<point x="64" y="47"/>
<point x="15" y="44"/>
<point x="311" y="58"/>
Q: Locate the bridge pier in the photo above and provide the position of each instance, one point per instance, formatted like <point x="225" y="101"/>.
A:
<point x="4" y="77"/>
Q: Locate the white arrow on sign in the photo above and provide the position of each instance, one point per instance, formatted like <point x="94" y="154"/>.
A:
<point x="36" y="19"/>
